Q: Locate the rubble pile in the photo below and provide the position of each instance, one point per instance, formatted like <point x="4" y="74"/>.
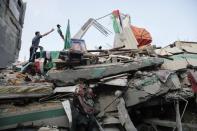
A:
<point x="135" y="89"/>
<point x="138" y="89"/>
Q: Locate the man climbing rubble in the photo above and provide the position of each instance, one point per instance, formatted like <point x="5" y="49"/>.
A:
<point x="35" y="44"/>
<point x="83" y="110"/>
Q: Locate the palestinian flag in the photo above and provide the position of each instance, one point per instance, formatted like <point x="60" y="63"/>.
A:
<point x="116" y="21"/>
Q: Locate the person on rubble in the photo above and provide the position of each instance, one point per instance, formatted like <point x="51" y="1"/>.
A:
<point x="84" y="111"/>
<point x="35" y="44"/>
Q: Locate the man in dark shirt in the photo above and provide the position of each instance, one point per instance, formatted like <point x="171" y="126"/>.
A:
<point x="35" y="44"/>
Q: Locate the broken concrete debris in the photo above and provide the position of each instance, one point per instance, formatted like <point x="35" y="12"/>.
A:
<point x="101" y="70"/>
<point x="35" y="114"/>
<point x="183" y="54"/>
<point x="143" y="82"/>
<point x="133" y="86"/>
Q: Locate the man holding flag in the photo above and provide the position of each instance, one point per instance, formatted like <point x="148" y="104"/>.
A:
<point x="35" y="44"/>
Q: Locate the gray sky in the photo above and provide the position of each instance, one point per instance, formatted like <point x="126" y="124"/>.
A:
<point x="166" y="20"/>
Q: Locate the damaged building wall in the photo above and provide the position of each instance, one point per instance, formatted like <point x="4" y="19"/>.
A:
<point x="11" y="23"/>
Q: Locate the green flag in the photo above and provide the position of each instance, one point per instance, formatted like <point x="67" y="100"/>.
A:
<point x="67" y="42"/>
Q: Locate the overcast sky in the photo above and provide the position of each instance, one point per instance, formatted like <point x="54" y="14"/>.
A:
<point x="166" y="20"/>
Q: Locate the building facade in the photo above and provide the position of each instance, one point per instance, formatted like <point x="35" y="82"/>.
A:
<point x="12" y="14"/>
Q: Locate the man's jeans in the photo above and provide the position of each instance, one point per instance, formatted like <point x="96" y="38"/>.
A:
<point x="32" y="53"/>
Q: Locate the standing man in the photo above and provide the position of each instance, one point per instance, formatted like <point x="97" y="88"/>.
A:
<point x="35" y="44"/>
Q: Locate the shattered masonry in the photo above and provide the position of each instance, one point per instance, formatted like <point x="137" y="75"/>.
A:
<point x="134" y="86"/>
